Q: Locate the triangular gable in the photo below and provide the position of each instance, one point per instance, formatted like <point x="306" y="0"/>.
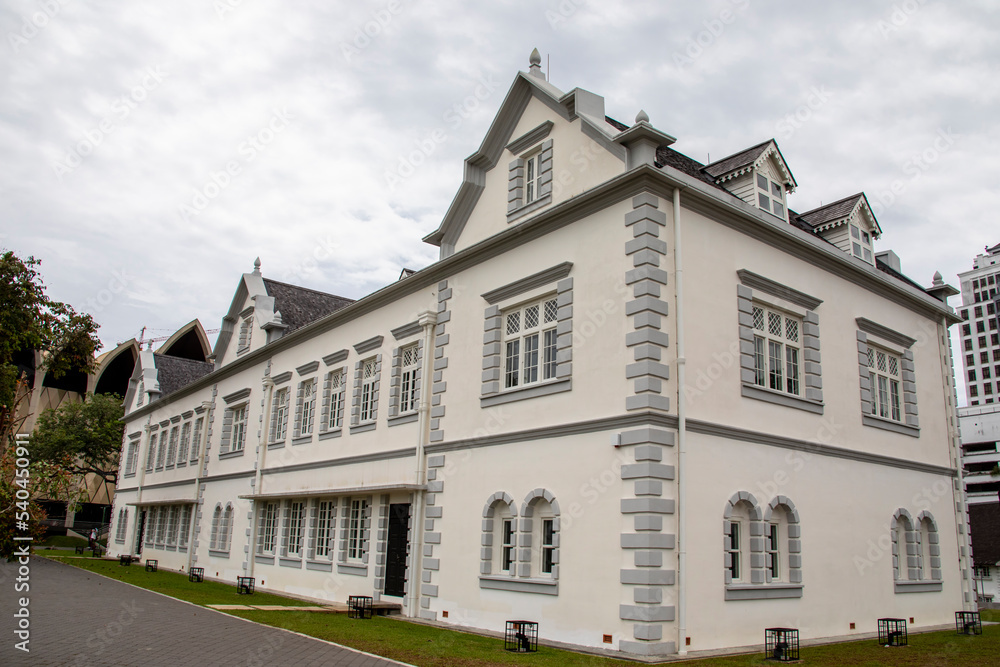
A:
<point x="251" y="285"/>
<point x="576" y="104"/>
<point x="843" y="212"/>
<point x="749" y="159"/>
<point x="114" y="368"/>
<point x="188" y="342"/>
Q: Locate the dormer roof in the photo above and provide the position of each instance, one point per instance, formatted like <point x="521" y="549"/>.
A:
<point x="841" y="212"/>
<point x="740" y="163"/>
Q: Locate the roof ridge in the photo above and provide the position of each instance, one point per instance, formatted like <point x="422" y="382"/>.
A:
<point x="740" y="152"/>
<point x="833" y="203"/>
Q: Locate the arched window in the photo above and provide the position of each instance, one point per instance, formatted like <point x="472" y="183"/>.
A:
<point x="499" y="539"/>
<point x="214" y="541"/>
<point x="930" y="549"/>
<point x="539" y="538"/>
<point x="782" y="542"/>
<point x="905" y="555"/>
<point x="743" y="541"/>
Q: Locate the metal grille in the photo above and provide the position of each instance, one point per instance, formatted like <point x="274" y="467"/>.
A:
<point x="880" y="360"/>
<point x="871" y="358"/>
<point x="410" y="355"/>
<point x="513" y="322"/>
<point x="791" y="330"/>
<point x="893" y="366"/>
<point x="758" y="319"/>
<point x="551" y="310"/>
<point x="774" y="324"/>
<point x="530" y="317"/>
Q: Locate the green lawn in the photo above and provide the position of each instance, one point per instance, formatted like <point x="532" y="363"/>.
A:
<point x="430" y="646"/>
<point x="64" y="541"/>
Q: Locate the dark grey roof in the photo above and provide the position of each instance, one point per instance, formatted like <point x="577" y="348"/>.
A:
<point x="621" y="127"/>
<point x="737" y="161"/>
<point x="885" y="268"/>
<point x="994" y="249"/>
<point x="299" y="305"/>
<point x="830" y="212"/>
<point x="175" y="373"/>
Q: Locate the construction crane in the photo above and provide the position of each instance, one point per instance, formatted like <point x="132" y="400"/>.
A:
<point x="142" y="340"/>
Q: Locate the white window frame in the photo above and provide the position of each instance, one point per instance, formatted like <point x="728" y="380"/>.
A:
<point x="861" y="244"/>
<point x="337" y="381"/>
<point x="296" y="528"/>
<point x="356" y="546"/>
<point x="267" y="538"/>
<point x="131" y="456"/>
<point x="768" y="194"/>
<point x="184" y="447"/>
<point x="532" y="175"/>
<point x="237" y="440"/>
<point x="150" y="525"/>
<point x="215" y="536"/>
<point x="185" y="527"/>
<point x="173" y="516"/>
<point x="278" y="430"/>
<point x="734" y="548"/>
<point x="530" y="343"/>
<point x="786" y="370"/>
<point x="409" y="361"/>
<point x="305" y="416"/>
<point x="161" y="449"/>
<point x="369" y="390"/>
<point x="325" y="527"/>
<point x="886" y="385"/>
<point x="122" y="526"/>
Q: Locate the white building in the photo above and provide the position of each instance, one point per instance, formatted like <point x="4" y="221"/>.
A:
<point x="980" y="335"/>
<point x="637" y="400"/>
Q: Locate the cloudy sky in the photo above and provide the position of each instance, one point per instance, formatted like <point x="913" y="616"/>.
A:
<point x="151" y="150"/>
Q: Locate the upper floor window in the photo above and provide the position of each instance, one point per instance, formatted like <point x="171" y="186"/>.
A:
<point x="408" y="380"/>
<point x="238" y="429"/>
<point x="532" y="174"/>
<point x="369" y="389"/>
<point x="770" y="196"/>
<point x="884" y="373"/>
<point x="861" y="244"/>
<point x="182" y="452"/>
<point x="246" y="333"/>
<point x="279" y="416"/>
<point x="151" y="453"/>
<point x="306" y="411"/>
<point x="530" y="339"/>
<point x="335" y="401"/>
<point x="776" y="350"/>
<point x="131" y="457"/>
<point x="161" y="451"/>
<point x="199" y="424"/>
<point x="172" y="448"/>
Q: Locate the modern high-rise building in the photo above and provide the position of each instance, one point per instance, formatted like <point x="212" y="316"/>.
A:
<point x="981" y="332"/>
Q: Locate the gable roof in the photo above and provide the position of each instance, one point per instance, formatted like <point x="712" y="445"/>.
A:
<point x="838" y="213"/>
<point x="739" y="163"/>
<point x="175" y="373"/>
<point x="300" y="305"/>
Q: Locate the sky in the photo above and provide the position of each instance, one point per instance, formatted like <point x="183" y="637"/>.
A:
<point x="149" y="151"/>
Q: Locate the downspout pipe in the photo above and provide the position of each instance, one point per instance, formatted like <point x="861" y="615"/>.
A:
<point x="197" y="481"/>
<point x="427" y="320"/>
<point x="681" y="433"/>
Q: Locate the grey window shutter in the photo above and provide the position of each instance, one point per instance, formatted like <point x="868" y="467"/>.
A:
<point x="515" y="184"/>
<point x="375" y="385"/>
<point x="395" y="375"/>
<point x="272" y="432"/>
<point x="545" y="169"/>
<point x="356" y="394"/>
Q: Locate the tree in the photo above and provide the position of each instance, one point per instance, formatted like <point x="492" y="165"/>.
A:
<point x="82" y="438"/>
<point x="30" y="321"/>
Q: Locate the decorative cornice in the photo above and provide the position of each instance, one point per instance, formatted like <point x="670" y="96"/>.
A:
<point x="530" y="138"/>
<point x="891" y="335"/>
<point x="282" y="377"/>
<point x="305" y="369"/>
<point x="768" y="286"/>
<point x="237" y="395"/>
<point x="372" y="343"/>
<point x="545" y="277"/>
<point x="336" y="357"/>
<point x="407" y="330"/>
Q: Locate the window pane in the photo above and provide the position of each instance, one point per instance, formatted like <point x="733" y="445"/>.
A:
<point x="551" y="310"/>
<point x="531" y="358"/>
<point x="792" y="357"/>
<point x="791" y="330"/>
<point x="549" y="370"/>
<point x="883" y="396"/>
<point x="774" y="324"/>
<point x="513" y="322"/>
<point x="779" y="210"/>
<point x="894" y="399"/>
<point x="513" y="363"/>
<point x="855" y="233"/>
<point x="758" y="319"/>
<point x="775" y="190"/>
<point x="759" y="365"/>
<point x="764" y="202"/>
<point x="531" y="317"/>
<point x="761" y="182"/>
<point x="857" y="250"/>
<point x="774" y="360"/>
<point x="868" y="255"/>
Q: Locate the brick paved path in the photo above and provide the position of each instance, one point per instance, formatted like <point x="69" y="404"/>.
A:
<point x="80" y="619"/>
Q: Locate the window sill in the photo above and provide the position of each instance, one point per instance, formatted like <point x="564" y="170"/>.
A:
<point x="218" y="554"/>
<point x="117" y="541"/>
<point x="888" y="425"/>
<point x="363" y="428"/>
<point x="276" y="445"/>
<point x="404" y="419"/>
<point x="356" y="570"/>
<point x="231" y="455"/>
<point x="522" y="393"/>
<point x="170" y="467"/>
<point x="129" y="474"/>
<point x="329" y="435"/>
<point x="290" y="562"/>
<point x="182" y="465"/>
<point x="780" y="398"/>
<point x="763" y="592"/>
<point x="263" y="560"/>
<point x="538" y="586"/>
<point x="171" y="547"/>
<point x="920" y="586"/>
<point x="529" y="207"/>
<point x="319" y="566"/>
<point x="302" y="440"/>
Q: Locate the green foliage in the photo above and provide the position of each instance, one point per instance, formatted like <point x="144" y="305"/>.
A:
<point x="82" y="438"/>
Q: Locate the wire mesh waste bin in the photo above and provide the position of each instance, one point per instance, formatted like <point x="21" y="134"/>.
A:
<point x="892" y="631"/>
<point x="781" y="644"/>
<point x="152" y="564"/>
<point x="125" y="560"/>
<point x="244" y="585"/>
<point x="521" y="636"/>
<point x="196" y="574"/>
<point x="359" y="606"/>
<point x="968" y="623"/>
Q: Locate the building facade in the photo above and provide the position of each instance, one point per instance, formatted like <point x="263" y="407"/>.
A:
<point x="637" y="400"/>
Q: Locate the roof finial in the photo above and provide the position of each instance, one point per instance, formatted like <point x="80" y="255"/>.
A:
<point x="256" y="266"/>
<point x="535" y="60"/>
<point x="642" y="117"/>
<point x="938" y="280"/>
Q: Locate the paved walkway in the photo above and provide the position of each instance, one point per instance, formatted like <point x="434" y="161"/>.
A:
<point x="80" y="619"/>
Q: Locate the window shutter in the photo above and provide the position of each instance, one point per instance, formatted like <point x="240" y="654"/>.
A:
<point x="395" y="374"/>
<point x="545" y="170"/>
<point x="356" y="394"/>
<point x="272" y="432"/>
<point x="312" y="401"/>
<point x="515" y="184"/>
<point x="345" y="524"/>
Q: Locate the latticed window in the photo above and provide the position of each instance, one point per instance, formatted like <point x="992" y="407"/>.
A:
<point x="307" y="409"/>
<point x="296" y="512"/>
<point x="776" y="350"/>
<point x="185" y="530"/>
<point x="369" y="376"/>
<point x="239" y="428"/>
<point x="338" y="392"/>
<point x="199" y="424"/>
<point x="151" y="453"/>
<point x="182" y="452"/>
<point x="356" y="528"/>
<point x="267" y="529"/>
<point x="279" y="416"/>
<point x="530" y="343"/>
<point x="324" y="527"/>
<point x="884" y="375"/>
<point x="408" y="381"/>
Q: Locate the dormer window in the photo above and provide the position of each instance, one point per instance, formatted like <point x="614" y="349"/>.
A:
<point x="861" y="244"/>
<point x="770" y="196"/>
<point x="532" y="176"/>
